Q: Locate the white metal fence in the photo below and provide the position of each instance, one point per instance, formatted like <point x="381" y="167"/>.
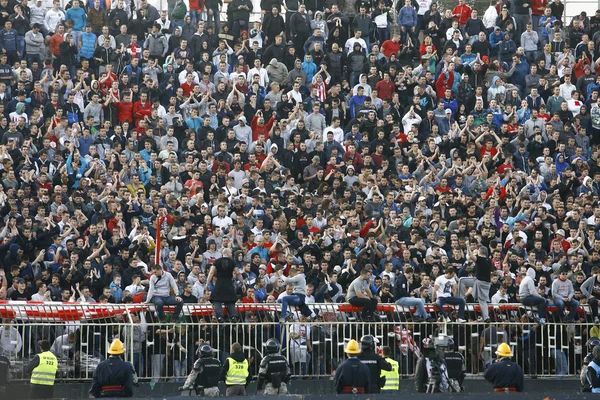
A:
<point x="80" y="335"/>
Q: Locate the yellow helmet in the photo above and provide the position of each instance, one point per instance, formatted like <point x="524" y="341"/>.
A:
<point x="504" y="350"/>
<point x="116" y="347"/>
<point x="352" y="347"/>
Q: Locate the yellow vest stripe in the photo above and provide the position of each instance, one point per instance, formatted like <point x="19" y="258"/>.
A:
<point x="45" y="372"/>
<point x="392" y="380"/>
<point x="237" y="373"/>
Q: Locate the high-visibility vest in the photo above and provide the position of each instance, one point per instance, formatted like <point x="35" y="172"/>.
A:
<point x="45" y="372"/>
<point x="237" y="373"/>
<point x="392" y="379"/>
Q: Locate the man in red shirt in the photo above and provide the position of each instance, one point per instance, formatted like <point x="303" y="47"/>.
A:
<point x="250" y="298"/>
<point x="142" y="108"/>
<point x="188" y="85"/>
<point x="461" y="12"/>
<point x="124" y="109"/>
<point x="386" y="87"/>
<point x="391" y="46"/>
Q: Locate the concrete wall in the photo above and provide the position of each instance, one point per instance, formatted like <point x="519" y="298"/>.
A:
<point x="323" y="389"/>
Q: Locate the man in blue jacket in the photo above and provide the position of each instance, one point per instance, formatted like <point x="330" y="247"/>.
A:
<point x="8" y="43"/>
<point x="407" y="19"/>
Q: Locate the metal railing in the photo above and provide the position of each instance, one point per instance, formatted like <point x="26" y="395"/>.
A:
<point x="80" y="335"/>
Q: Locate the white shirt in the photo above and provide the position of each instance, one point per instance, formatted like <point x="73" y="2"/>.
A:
<point x="134" y="289"/>
<point x="338" y="133"/>
<point x="183" y="74"/>
<point x="573" y="105"/>
<point x="349" y="46"/>
<point x="222" y="222"/>
<point x="424" y="5"/>
<point x="444" y="286"/>
<point x="297" y="96"/>
<point x="498" y="296"/>
<point x="566" y="89"/>
<point x="262" y="73"/>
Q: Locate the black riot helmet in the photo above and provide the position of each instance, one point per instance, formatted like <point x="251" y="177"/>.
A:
<point x="272" y="346"/>
<point x="367" y="342"/>
<point x="206" y="351"/>
<point x="591" y="343"/>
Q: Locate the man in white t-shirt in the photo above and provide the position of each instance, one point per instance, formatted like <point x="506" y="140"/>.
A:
<point x="444" y="292"/>
<point x="501" y="296"/>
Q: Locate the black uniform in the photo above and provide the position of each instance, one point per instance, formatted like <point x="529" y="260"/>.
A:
<point x="375" y="363"/>
<point x="205" y="373"/>
<point x="4" y="373"/>
<point x="113" y="378"/>
<point x="274" y="370"/>
<point x="505" y="374"/>
<point x="352" y="374"/>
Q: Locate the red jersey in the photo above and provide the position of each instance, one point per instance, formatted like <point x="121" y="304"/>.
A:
<point x="462" y="14"/>
<point x="385" y="89"/>
<point x="124" y="111"/>
<point x="390" y="47"/>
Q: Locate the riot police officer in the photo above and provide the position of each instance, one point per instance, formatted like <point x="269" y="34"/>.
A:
<point x="113" y="377"/>
<point x="505" y="374"/>
<point x="352" y="376"/>
<point x="591" y="343"/>
<point x="374" y="361"/>
<point x="274" y="369"/>
<point x="205" y="374"/>
<point x="593" y="371"/>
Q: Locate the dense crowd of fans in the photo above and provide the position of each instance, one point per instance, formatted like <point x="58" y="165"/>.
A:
<point x="386" y="151"/>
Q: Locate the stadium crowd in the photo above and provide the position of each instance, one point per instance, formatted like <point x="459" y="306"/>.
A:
<point x="391" y="153"/>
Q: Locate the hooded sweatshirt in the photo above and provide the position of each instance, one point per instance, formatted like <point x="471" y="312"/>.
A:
<point x="310" y="68"/>
<point x="560" y="166"/>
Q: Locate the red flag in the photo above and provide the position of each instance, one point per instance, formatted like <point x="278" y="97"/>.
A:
<point x="159" y="222"/>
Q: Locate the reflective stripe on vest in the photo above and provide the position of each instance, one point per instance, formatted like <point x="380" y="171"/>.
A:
<point x="392" y="380"/>
<point x="237" y="373"/>
<point x="45" y="372"/>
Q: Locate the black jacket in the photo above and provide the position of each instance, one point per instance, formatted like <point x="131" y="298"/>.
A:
<point x="376" y="364"/>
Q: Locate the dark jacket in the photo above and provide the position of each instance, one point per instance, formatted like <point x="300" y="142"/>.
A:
<point x="113" y="372"/>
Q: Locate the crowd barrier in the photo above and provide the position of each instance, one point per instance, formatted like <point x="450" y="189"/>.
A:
<point x="81" y="333"/>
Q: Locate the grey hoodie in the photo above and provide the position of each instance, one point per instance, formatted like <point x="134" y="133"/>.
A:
<point x="591" y="287"/>
<point x="298" y="281"/>
<point x="278" y="72"/>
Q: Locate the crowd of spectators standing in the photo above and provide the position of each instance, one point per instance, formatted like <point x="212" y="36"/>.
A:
<point x="384" y="151"/>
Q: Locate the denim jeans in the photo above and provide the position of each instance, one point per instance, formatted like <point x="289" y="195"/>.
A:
<point x="531" y="55"/>
<point x="562" y="367"/>
<point x="440" y="301"/>
<point x="179" y="369"/>
<point x="158" y="366"/>
<point x="419" y="304"/>
<point x="318" y="363"/>
<point x="538" y="301"/>
<point x="161" y="302"/>
<point x="293" y="300"/>
<point x="560" y="304"/>
<point x="214" y="19"/>
<point x="138" y="364"/>
<point x="21" y="45"/>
